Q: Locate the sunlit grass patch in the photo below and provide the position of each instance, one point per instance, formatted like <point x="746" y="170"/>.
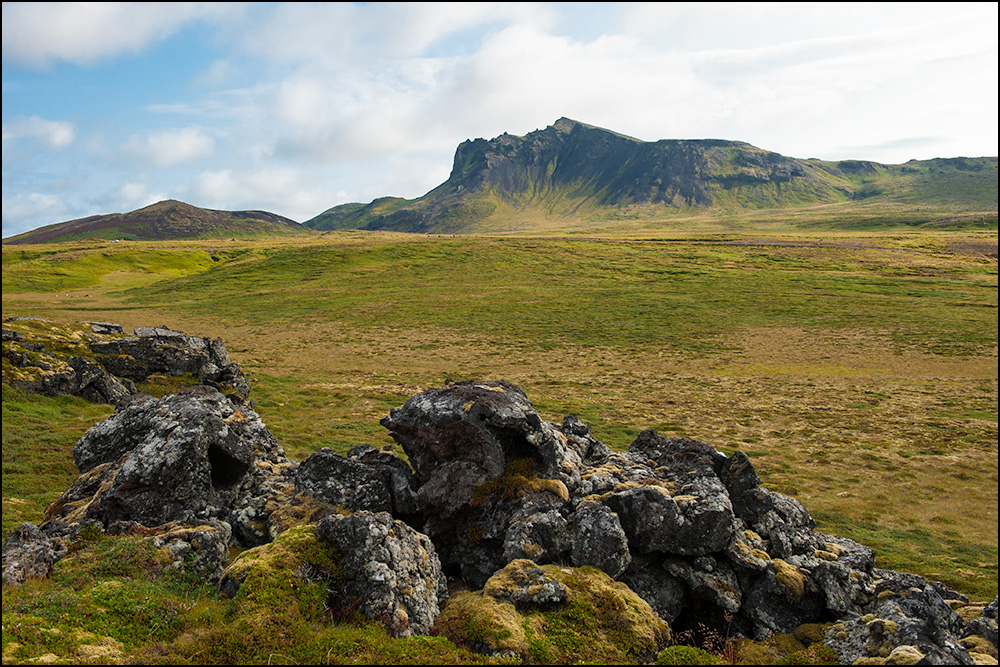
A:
<point x="38" y="438"/>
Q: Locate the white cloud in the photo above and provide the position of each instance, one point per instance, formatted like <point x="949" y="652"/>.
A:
<point x="23" y="212"/>
<point x="53" y="133"/>
<point x="285" y="191"/>
<point x="131" y="196"/>
<point x="39" y="34"/>
<point x="332" y="35"/>
<point x="169" y="147"/>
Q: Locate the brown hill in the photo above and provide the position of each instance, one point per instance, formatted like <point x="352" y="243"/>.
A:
<point x="168" y="219"/>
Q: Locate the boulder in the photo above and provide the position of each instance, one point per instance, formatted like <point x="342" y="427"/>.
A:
<point x="480" y="427"/>
<point x="200" y="548"/>
<point x="390" y="571"/>
<point x="29" y="554"/>
<point x="190" y="455"/>
<point x="986" y="624"/>
<point x="598" y="540"/>
<point x="526" y="585"/>
<point x="371" y="480"/>
<point x="908" y="612"/>
<point x="484" y="463"/>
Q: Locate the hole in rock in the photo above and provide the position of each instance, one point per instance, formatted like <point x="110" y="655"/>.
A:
<point x="704" y="625"/>
<point x="515" y="446"/>
<point x="226" y="470"/>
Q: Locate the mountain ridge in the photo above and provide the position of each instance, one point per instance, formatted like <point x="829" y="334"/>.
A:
<point x="574" y="175"/>
<point x="575" y="170"/>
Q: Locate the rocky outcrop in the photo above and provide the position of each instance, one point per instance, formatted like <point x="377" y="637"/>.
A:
<point x="160" y="350"/>
<point x="691" y="529"/>
<point x="29" y="554"/>
<point x="911" y="617"/>
<point x="189" y="456"/>
<point x="493" y="487"/>
<point x="99" y="362"/>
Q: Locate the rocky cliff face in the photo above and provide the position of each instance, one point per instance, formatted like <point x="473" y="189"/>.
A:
<point x="492" y="495"/>
<point x="570" y="166"/>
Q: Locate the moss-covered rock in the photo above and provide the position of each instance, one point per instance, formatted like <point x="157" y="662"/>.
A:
<point x="291" y="573"/>
<point x="601" y="620"/>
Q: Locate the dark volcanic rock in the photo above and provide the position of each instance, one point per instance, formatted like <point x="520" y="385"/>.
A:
<point x="468" y="432"/>
<point x="190" y="454"/>
<point x="483" y="458"/>
<point x="159" y="350"/>
<point x="598" y="540"/>
<point x="497" y="492"/>
<point x="374" y="481"/>
<point x="906" y="617"/>
<point x="103" y="366"/>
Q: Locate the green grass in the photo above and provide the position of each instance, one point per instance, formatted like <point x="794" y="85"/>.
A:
<point x="550" y="293"/>
<point x="857" y="371"/>
<point x="38" y="438"/>
<point x="81" y="266"/>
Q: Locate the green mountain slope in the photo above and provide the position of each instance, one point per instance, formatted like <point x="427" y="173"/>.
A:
<point x="571" y="171"/>
<point x="355" y="215"/>
<point x="168" y="219"/>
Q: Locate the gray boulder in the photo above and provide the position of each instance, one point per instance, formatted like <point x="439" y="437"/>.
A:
<point x="369" y="479"/>
<point x="390" y="571"/>
<point x="986" y="624"/>
<point x="482" y="459"/>
<point x="190" y="455"/>
<point x="160" y="350"/>
<point x="343" y="482"/>
<point x="527" y="586"/>
<point x="542" y="536"/>
<point x="29" y="554"/>
<point x="909" y="615"/>
<point x="598" y="540"/>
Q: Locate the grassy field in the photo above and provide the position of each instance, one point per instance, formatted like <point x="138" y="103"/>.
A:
<point x="857" y="369"/>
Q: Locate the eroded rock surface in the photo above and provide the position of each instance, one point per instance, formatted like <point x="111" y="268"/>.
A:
<point x="100" y="362"/>
<point x="390" y="571"/>
<point x="188" y="456"/>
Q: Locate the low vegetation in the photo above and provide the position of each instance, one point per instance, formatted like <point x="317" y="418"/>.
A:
<point x="857" y="370"/>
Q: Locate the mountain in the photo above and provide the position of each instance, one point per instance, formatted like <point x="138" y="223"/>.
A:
<point x="168" y="219"/>
<point x="574" y="171"/>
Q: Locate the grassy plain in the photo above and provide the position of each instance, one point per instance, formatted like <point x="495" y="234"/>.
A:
<point x="858" y="369"/>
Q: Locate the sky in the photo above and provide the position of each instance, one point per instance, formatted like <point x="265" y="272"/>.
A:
<point x="294" y="108"/>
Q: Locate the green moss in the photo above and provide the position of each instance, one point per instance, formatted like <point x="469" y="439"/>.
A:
<point x="482" y="623"/>
<point x="686" y="655"/>
<point x="108" y="596"/>
<point x="517" y="480"/>
<point x="94" y="558"/>
<point x="818" y="654"/>
<point x="790" y="578"/>
<point x="290" y="573"/>
<point x="601" y="621"/>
